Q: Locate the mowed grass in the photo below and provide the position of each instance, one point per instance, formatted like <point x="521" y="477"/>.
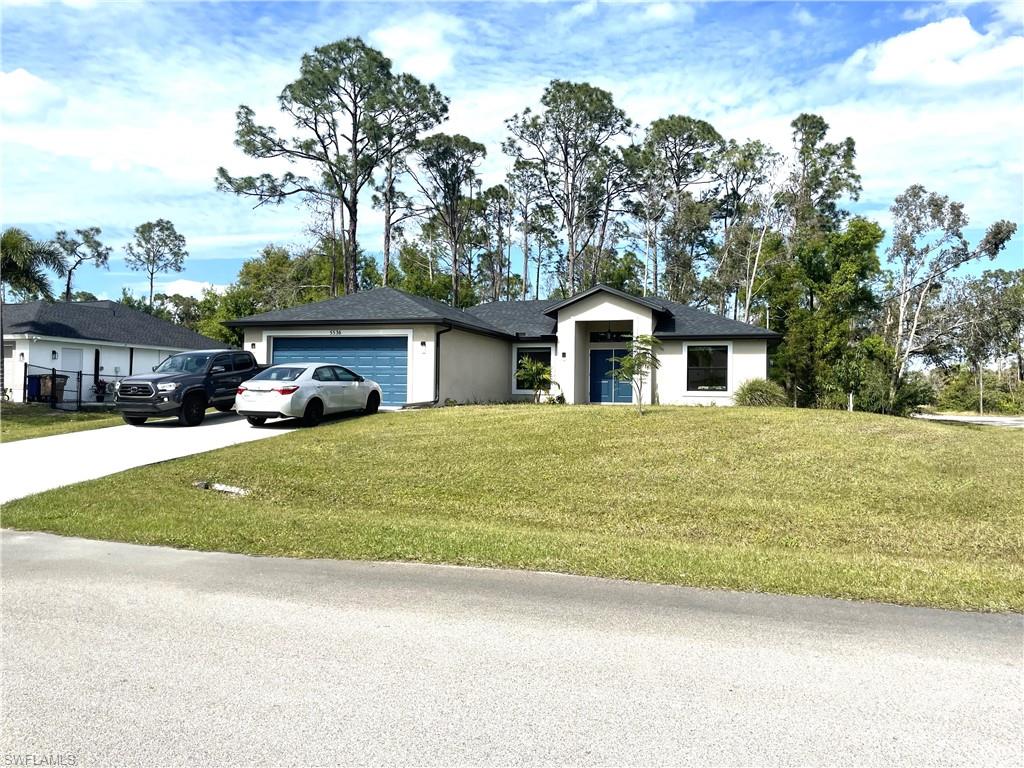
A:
<point x="777" y="500"/>
<point x="20" y="421"/>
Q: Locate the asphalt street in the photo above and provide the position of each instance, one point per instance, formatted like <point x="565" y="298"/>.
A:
<point x="126" y="655"/>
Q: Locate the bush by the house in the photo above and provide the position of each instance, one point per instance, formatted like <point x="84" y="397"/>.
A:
<point x="761" y="393"/>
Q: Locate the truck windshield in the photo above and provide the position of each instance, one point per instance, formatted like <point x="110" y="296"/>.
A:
<point x="187" y="363"/>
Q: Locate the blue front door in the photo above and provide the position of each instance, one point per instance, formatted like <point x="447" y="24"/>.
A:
<point x="385" y="359"/>
<point x="604" y="388"/>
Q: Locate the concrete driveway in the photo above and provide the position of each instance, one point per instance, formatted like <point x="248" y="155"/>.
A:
<point x="126" y="655"/>
<point x="1012" y="422"/>
<point x="42" y="463"/>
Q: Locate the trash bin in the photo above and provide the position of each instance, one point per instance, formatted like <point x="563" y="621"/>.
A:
<point x="33" y="388"/>
<point x="58" y="383"/>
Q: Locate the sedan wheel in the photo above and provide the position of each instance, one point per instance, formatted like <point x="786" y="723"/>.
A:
<point x="372" y="404"/>
<point x="314" y="412"/>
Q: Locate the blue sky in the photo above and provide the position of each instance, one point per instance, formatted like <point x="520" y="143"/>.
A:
<point x="119" y="113"/>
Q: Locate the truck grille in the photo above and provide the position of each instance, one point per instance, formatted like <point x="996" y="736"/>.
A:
<point x="135" y="390"/>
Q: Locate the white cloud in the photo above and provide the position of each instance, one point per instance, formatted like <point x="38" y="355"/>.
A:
<point x="79" y="4"/>
<point x="23" y="95"/>
<point x="943" y="53"/>
<point x="576" y="12"/>
<point x="661" y="11"/>
<point x="1009" y="14"/>
<point x="420" y="44"/>
<point x="803" y="17"/>
<point x="193" y="288"/>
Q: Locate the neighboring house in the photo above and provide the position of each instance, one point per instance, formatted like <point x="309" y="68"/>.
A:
<point x="423" y="352"/>
<point x="103" y="340"/>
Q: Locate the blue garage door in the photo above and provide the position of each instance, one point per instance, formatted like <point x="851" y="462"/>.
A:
<point x="385" y="359"/>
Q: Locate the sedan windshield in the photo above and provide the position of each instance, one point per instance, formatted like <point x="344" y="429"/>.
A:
<point x="188" y="363"/>
<point x="278" y="374"/>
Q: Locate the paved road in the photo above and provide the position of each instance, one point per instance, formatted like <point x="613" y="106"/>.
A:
<point x="130" y="655"/>
<point x="1013" y="422"/>
<point x="32" y="466"/>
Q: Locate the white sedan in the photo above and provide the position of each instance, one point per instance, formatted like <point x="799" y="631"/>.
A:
<point x="305" y="391"/>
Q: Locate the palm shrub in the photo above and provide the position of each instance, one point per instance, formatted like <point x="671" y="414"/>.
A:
<point x="23" y="269"/>
<point x="761" y="393"/>
<point x="536" y="375"/>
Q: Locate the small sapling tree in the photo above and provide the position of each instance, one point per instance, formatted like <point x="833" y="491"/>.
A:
<point x="637" y="365"/>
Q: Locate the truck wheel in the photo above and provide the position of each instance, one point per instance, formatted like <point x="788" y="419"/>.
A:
<point x="135" y="421"/>
<point x="256" y="421"/>
<point x="372" y="404"/>
<point x="314" y="412"/>
<point x="193" y="411"/>
<point x="224" y="407"/>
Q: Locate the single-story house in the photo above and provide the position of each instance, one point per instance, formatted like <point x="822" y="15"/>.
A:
<point x="424" y="352"/>
<point x="104" y="340"/>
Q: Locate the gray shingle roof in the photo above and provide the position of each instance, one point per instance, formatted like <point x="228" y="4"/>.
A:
<point x="519" y="318"/>
<point x="100" y="321"/>
<point x="524" y="319"/>
<point x="650" y="303"/>
<point x="380" y="305"/>
<point x="680" y="321"/>
<point x="532" y="319"/>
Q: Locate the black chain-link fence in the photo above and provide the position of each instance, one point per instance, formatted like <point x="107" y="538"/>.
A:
<point x="67" y="390"/>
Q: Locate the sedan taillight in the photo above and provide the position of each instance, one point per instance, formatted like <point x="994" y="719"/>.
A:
<point x="240" y="390"/>
<point x="287" y="390"/>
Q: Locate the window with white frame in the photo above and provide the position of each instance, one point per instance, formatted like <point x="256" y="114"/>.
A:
<point x="541" y="354"/>
<point x="707" y="368"/>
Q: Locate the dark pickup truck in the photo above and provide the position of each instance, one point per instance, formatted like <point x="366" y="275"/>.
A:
<point x="185" y="385"/>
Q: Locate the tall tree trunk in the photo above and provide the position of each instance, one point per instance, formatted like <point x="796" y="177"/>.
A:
<point x="389" y="212"/>
<point x="455" y="273"/>
<point x="351" y="279"/>
<point x="508" y="259"/>
<point x="602" y="236"/>
<point x="334" y="252"/>
<point x="570" y="278"/>
<point x="981" y="389"/>
<point x="351" y="276"/>
<point x="67" y="287"/>
<point x="152" y="274"/>
<point x="536" y="284"/>
<point x="647" y="256"/>
<point x="526" y="256"/>
<point x="753" y="274"/>
<point x="654" y="251"/>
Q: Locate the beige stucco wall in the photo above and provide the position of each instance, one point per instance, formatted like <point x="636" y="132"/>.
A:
<point x="475" y="368"/>
<point x="573" y="339"/>
<point x="259" y="341"/>
<point x="747" y="360"/>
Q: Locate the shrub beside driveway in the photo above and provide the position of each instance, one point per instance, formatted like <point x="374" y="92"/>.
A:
<point x="776" y="500"/>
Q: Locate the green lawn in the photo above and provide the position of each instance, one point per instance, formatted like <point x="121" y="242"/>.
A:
<point x="20" y="421"/>
<point x="777" y="500"/>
